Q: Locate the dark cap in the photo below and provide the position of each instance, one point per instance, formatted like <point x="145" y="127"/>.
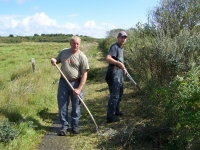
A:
<point x="122" y="33"/>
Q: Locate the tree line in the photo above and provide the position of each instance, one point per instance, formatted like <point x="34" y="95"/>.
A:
<point x="61" y="38"/>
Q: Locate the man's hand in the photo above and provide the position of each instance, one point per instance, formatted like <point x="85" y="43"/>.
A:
<point x="125" y="71"/>
<point x="121" y="65"/>
<point x="76" y="92"/>
<point x="111" y="60"/>
<point x="53" y="61"/>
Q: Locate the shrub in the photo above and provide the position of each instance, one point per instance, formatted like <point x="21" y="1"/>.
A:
<point x="158" y="59"/>
<point x="106" y="43"/>
<point x="7" y="131"/>
<point x="178" y="103"/>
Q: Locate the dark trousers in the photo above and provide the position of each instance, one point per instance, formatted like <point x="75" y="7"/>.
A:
<point x="116" y="81"/>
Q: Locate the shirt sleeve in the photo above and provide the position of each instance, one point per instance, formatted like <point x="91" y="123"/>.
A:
<point x="113" y="51"/>
<point x="58" y="57"/>
<point x="84" y="64"/>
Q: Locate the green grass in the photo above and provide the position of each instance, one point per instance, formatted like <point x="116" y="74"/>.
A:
<point x="24" y="94"/>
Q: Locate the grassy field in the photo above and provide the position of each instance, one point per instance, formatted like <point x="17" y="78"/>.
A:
<point x="26" y="96"/>
<point x="29" y="98"/>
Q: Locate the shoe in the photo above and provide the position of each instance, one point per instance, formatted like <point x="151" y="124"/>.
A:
<point x="63" y="132"/>
<point x="113" y="120"/>
<point x="119" y="114"/>
<point x="75" y="130"/>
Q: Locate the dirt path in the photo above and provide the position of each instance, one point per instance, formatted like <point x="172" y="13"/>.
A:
<point x="51" y="141"/>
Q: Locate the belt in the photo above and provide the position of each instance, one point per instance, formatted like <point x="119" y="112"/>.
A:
<point x="73" y="80"/>
<point x="115" y="67"/>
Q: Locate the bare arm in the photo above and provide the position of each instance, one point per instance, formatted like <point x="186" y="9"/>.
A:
<point x="110" y="60"/>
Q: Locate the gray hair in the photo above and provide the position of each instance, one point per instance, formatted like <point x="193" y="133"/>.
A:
<point x="75" y="38"/>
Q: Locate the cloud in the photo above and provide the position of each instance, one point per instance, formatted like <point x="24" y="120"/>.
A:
<point x="40" y="23"/>
<point x="70" y="26"/>
<point x="90" y="24"/>
<point x="39" y="19"/>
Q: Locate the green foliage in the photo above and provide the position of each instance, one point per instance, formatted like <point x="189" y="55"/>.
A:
<point x="174" y="15"/>
<point x="178" y="103"/>
<point x="10" y="40"/>
<point x="7" y="131"/>
<point x="61" y="38"/>
<point x="13" y="114"/>
<point x="92" y="54"/>
<point x="93" y="73"/>
<point x="154" y="59"/>
<point x="106" y="43"/>
<point x="158" y="55"/>
<point x="43" y="113"/>
<point x="159" y="59"/>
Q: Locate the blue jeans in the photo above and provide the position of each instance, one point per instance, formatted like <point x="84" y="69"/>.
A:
<point x="64" y="95"/>
<point x="116" y="92"/>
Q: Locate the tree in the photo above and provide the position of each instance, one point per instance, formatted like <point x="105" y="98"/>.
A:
<point x="175" y="15"/>
<point x="11" y="35"/>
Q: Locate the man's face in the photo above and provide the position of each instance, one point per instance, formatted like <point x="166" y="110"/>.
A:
<point x="122" y="40"/>
<point x="75" y="44"/>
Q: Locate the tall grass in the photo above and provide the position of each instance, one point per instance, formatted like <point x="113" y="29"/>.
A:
<point x="25" y="94"/>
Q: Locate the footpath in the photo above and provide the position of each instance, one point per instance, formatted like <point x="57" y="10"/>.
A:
<point x="51" y="140"/>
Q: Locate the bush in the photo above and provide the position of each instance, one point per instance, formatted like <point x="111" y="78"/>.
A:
<point x="106" y="43"/>
<point x="158" y="59"/>
<point x="7" y="131"/>
<point x="178" y="103"/>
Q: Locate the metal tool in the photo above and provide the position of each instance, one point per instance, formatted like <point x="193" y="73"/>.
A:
<point x="129" y="76"/>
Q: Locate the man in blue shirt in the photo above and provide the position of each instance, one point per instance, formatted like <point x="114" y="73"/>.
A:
<point x="115" y="77"/>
